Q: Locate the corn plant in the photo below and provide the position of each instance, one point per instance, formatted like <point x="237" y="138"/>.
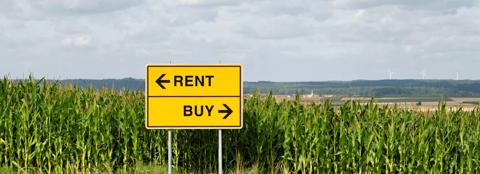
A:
<point x="53" y="128"/>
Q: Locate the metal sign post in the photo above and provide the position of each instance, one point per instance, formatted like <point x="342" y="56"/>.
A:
<point x="169" y="151"/>
<point x="220" y="167"/>
<point x="170" y="148"/>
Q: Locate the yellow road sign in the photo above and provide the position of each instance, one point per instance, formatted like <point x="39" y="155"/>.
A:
<point x="194" y="97"/>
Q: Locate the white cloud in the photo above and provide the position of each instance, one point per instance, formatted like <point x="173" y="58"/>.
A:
<point x="275" y="40"/>
<point x="360" y="13"/>
<point x="43" y="8"/>
<point x="279" y="27"/>
<point x="428" y="5"/>
<point x="81" y="40"/>
<point x="199" y="3"/>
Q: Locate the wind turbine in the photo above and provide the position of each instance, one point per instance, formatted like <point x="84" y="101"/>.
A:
<point x="457" y="76"/>
<point x="423" y="74"/>
<point x="390" y="74"/>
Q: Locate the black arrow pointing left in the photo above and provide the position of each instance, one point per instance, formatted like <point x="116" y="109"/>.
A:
<point x="228" y="111"/>
<point x="160" y="81"/>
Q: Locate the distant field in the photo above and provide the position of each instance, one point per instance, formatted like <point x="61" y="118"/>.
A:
<point x="377" y="88"/>
<point x="416" y="103"/>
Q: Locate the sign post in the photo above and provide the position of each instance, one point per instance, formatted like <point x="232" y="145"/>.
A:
<point x="194" y="97"/>
<point x="169" y="151"/>
<point x="220" y="167"/>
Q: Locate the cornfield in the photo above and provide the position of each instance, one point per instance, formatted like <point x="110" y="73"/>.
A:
<point x="48" y="127"/>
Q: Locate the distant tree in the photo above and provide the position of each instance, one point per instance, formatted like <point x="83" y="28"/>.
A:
<point x="419" y="103"/>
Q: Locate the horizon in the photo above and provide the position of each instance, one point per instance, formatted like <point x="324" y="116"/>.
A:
<point x="142" y="79"/>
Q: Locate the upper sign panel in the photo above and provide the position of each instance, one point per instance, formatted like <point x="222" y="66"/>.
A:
<point x="194" y="80"/>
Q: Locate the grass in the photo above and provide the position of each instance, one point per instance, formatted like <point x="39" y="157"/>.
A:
<point x="140" y="169"/>
<point x="7" y="170"/>
<point x="49" y="128"/>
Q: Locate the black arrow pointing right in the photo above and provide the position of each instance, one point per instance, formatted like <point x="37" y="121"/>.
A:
<point x="228" y="111"/>
<point x="160" y="80"/>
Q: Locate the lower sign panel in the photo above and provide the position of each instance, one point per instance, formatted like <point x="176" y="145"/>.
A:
<point x="194" y="112"/>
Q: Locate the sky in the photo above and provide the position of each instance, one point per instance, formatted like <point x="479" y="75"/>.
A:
<point x="274" y="40"/>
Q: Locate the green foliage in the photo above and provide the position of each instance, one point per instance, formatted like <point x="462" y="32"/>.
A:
<point x="49" y="127"/>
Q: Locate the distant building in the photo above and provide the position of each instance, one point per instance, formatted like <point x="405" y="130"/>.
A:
<point x="311" y="95"/>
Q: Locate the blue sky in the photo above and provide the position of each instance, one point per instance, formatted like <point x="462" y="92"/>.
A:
<point x="274" y="40"/>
